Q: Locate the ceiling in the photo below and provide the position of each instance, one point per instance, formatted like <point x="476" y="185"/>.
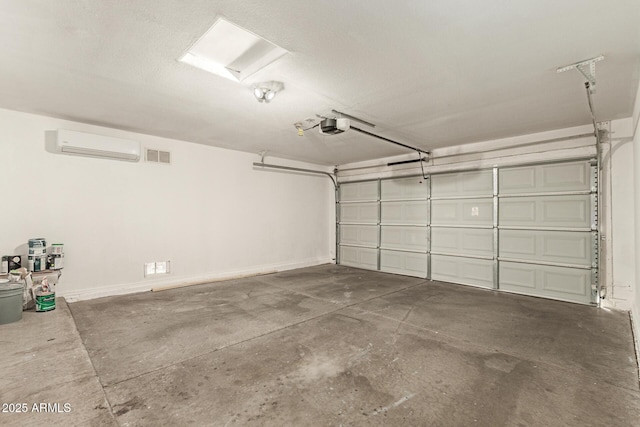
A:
<point x="427" y="73"/>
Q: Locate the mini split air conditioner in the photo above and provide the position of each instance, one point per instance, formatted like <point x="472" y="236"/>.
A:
<point x="91" y="145"/>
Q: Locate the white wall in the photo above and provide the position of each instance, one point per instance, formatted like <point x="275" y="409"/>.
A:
<point x="622" y="224"/>
<point x="635" y="314"/>
<point x="210" y="213"/>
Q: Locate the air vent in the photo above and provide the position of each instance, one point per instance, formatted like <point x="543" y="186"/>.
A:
<point x="164" y="157"/>
<point x="157" y="156"/>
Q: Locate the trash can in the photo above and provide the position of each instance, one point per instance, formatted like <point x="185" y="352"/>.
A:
<point x="10" y="302"/>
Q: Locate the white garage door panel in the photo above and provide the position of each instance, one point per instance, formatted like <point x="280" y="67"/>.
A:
<point x="462" y="241"/>
<point x="573" y="211"/>
<point x="474" y="212"/>
<point x="359" y="257"/>
<point x="476" y="183"/>
<point x="359" y="213"/>
<point x="467" y="271"/>
<point x="407" y="263"/>
<point x="405" y="188"/>
<point x="407" y="213"/>
<point x="568" y="284"/>
<point x="563" y="247"/>
<point x="362" y="235"/>
<point x="359" y="191"/>
<point x="545" y="178"/>
<point x="407" y="238"/>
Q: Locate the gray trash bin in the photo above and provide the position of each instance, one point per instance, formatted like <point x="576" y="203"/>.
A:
<point x="10" y="302"/>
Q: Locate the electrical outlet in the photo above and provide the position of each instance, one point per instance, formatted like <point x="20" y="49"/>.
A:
<point x="158" y="267"/>
<point x="149" y="268"/>
<point x="162" y="267"/>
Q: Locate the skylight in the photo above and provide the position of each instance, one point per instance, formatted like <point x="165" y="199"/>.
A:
<point x="232" y="52"/>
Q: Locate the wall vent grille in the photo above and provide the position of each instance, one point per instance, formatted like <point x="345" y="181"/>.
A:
<point x="158" y="156"/>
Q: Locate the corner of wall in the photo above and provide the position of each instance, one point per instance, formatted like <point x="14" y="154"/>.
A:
<point x="635" y="329"/>
<point x="635" y="310"/>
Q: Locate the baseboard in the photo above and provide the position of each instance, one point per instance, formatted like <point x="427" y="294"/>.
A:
<point x="169" y="282"/>
<point x="617" y="304"/>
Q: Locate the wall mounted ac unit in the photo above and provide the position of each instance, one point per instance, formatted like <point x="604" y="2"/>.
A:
<point x="91" y="145"/>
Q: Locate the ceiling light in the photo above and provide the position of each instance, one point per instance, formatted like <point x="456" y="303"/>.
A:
<point x="232" y="52"/>
<point x="265" y="92"/>
<point x="263" y="95"/>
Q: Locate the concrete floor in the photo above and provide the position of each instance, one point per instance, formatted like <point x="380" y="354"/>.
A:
<point x="326" y="345"/>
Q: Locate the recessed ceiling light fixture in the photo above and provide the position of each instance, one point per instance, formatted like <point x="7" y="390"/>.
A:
<point x="232" y="52"/>
<point x="265" y="92"/>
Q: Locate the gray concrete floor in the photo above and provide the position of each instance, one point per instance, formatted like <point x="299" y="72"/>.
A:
<point x="326" y="345"/>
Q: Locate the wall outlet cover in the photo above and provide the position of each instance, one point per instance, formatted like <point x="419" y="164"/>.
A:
<point x="149" y="268"/>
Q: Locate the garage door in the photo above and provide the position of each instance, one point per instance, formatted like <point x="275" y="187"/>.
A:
<point x="404" y="231"/>
<point x="547" y="230"/>
<point x="526" y="229"/>
<point x="358" y="224"/>
<point x="462" y="228"/>
<point x="383" y="225"/>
